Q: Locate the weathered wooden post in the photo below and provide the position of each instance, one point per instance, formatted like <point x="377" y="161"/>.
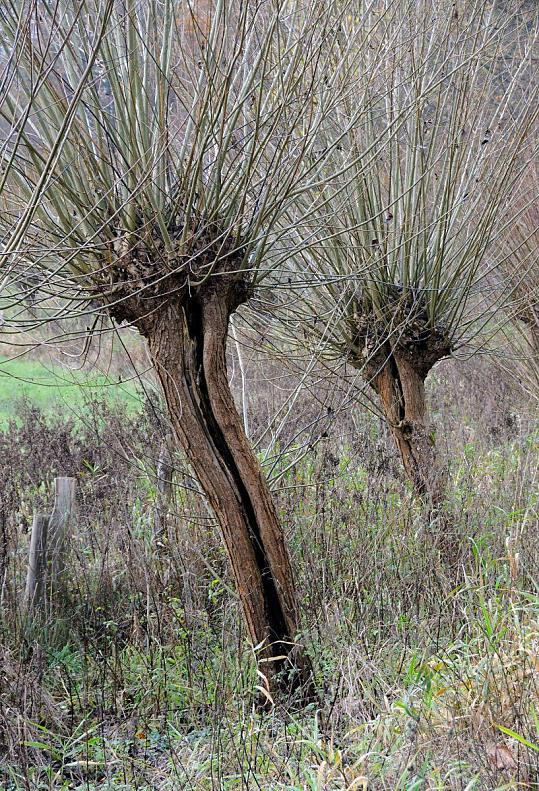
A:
<point x="64" y="504"/>
<point x="34" y="597"/>
<point x="165" y="472"/>
<point x="46" y="561"/>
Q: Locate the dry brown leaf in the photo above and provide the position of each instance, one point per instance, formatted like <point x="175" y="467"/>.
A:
<point x="501" y="756"/>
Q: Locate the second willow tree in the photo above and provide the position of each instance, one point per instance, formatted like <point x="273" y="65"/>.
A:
<point x="399" y="272"/>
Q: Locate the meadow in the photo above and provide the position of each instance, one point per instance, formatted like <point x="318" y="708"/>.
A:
<point x="52" y="388"/>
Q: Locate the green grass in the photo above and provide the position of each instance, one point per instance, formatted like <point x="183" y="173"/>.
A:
<point x="53" y="388"/>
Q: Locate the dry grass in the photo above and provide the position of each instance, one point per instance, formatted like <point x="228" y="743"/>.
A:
<point x="142" y="679"/>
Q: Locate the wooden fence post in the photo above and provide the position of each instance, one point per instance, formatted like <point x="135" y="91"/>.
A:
<point x="34" y="597"/>
<point x="64" y="504"/>
<point x="165" y="472"/>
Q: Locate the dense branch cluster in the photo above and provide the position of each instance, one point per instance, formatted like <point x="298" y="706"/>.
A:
<point x="142" y="274"/>
<point x="404" y="327"/>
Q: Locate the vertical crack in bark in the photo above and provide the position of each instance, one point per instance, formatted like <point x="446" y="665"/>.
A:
<point x="397" y="385"/>
<point x="274" y="613"/>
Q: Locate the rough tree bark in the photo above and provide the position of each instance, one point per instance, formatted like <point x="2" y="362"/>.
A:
<point x="401" y="389"/>
<point x="187" y="336"/>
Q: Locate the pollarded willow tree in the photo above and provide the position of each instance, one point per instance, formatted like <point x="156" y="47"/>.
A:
<point x="403" y="255"/>
<point x="198" y="129"/>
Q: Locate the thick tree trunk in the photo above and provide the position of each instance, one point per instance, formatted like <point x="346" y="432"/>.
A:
<point x="401" y="389"/>
<point x="188" y="346"/>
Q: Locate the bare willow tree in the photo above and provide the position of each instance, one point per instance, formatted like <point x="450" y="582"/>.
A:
<point x="198" y="129"/>
<point x="403" y="249"/>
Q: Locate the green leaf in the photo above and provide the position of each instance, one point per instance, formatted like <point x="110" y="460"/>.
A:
<point x="518" y="737"/>
<point x="39" y="746"/>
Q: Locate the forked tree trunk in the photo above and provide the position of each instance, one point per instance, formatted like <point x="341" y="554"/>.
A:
<point x="188" y="346"/>
<point x="401" y="388"/>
